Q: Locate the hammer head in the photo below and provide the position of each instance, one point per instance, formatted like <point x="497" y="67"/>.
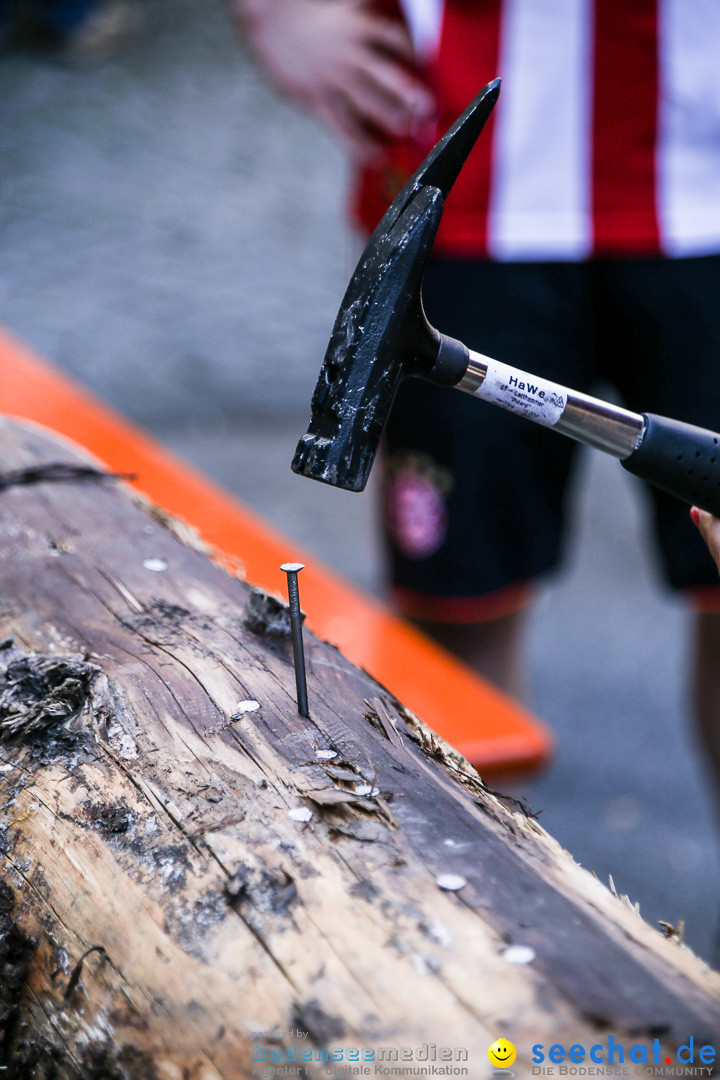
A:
<point x="381" y="334"/>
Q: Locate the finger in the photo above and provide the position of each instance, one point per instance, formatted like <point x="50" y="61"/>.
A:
<point x="378" y="31"/>
<point x="709" y="527"/>
<point x="390" y="101"/>
<point x="400" y="87"/>
<point x="390" y="36"/>
<point x="362" y="143"/>
<point x="702" y="519"/>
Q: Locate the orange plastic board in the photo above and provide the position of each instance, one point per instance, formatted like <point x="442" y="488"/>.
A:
<point x="491" y="729"/>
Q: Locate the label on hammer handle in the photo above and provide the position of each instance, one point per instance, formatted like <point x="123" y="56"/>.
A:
<point x="536" y="399"/>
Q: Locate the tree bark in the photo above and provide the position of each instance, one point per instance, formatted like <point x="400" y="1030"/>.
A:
<point x="198" y="883"/>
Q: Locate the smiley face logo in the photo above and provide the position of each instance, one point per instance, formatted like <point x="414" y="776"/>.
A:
<point x="502" y="1053"/>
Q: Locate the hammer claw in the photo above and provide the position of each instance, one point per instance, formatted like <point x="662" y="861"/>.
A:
<point x="443" y="164"/>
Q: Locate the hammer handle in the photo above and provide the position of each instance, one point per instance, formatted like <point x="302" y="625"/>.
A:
<point x="679" y="458"/>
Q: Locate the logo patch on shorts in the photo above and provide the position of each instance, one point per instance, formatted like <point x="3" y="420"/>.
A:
<point x="416" y="505"/>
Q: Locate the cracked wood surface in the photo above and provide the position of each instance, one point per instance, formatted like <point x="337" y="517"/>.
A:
<point x="165" y="916"/>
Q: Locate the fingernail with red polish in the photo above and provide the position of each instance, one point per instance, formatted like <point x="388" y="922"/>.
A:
<point x="695" y="515"/>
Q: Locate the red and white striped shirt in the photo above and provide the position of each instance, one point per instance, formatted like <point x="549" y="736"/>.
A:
<point x="606" y="137"/>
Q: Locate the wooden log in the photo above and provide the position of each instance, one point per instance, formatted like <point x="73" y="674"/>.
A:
<point x="198" y="883"/>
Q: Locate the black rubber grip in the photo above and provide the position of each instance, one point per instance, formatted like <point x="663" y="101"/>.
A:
<point x="681" y="459"/>
<point x="451" y="362"/>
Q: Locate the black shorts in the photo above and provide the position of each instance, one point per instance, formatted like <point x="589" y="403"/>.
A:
<point x="474" y="497"/>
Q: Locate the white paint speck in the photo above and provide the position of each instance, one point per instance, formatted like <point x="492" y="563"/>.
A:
<point x="450" y="882"/>
<point x="54" y="553"/>
<point x="455" y="845"/>
<point x="420" y="964"/>
<point x="300" y="813"/>
<point x="158" y="565"/>
<point x="367" y="789"/>
<point x="519" y="954"/>
<point x="5" y="768"/>
<point x="439" y="933"/>
<point x="245" y="706"/>
<point x="325" y="755"/>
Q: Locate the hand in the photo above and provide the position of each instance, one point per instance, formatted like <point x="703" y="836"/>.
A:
<point x="349" y="67"/>
<point x="709" y="527"/>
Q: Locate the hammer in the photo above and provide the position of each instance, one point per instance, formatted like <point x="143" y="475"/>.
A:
<point x="381" y="336"/>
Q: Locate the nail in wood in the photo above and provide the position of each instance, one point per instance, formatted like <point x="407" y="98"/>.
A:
<point x="292" y="570"/>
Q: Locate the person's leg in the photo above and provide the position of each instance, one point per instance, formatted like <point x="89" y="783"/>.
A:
<point x="474" y="497"/>
<point x="493" y="649"/>
<point x="670" y="367"/>
<point x="706" y="693"/>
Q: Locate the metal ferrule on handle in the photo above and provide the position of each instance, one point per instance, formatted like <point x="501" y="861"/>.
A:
<point x="587" y="419"/>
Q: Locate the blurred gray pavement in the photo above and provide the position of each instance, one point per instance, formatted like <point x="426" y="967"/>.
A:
<point x="174" y="237"/>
